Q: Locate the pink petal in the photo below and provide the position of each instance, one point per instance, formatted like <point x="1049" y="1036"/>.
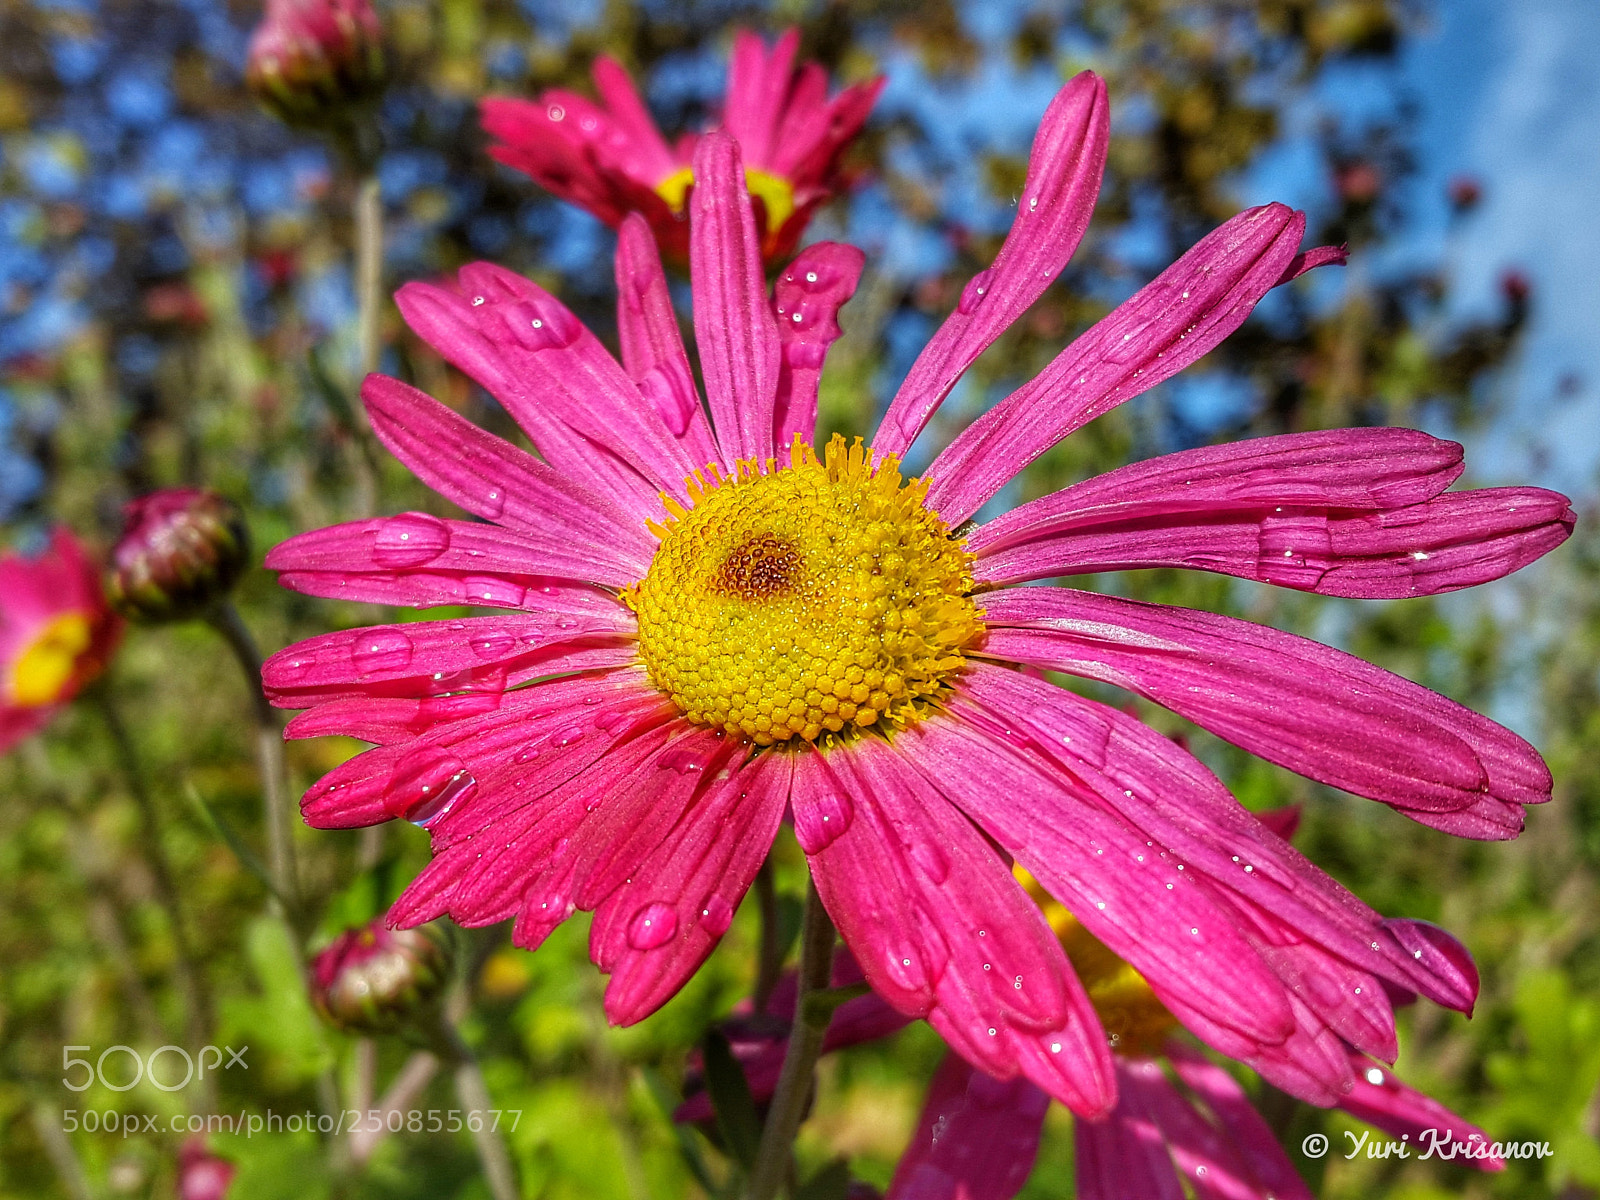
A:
<point x="698" y="874"/>
<point x="652" y="347"/>
<point x="1171" y="322"/>
<point x="553" y="718"/>
<point x="1380" y="1098"/>
<point x="525" y="863"/>
<point x="587" y="420"/>
<point x="1204" y="1156"/>
<point x="553" y="152"/>
<point x="1125" y="890"/>
<point x="808" y="296"/>
<point x="1248" y="1133"/>
<point x="414" y="541"/>
<point x="938" y="924"/>
<point x="1320" y="712"/>
<point x="649" y="155"/>
<point x="427" y="658"/>
<point x="1457" y="540"/>
<point x="1124" y="1155"/>
<point x="1171" y="797"/>
<point x="815" y="131"/>
<point x="1064" y="170"/>
<point x="738" y="338"/>
<point x="492" y="479"/>
<point x="1341" y="468"/>
<point x="758" y="85"/>
<point x="430" y="589"/>
<point x="976" y="1139"/>
<point x="19" y="723"/>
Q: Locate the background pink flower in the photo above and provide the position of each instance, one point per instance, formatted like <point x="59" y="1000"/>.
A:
<point x="56" y="633"/>
<point x="610" y="158"/>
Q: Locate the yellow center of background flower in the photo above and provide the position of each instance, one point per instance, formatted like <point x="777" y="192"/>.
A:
<point x="776" y="193"/>
<point x="822" y="598"/>
<point x="48" y="663"/>
<point x="1134" y="1020"/>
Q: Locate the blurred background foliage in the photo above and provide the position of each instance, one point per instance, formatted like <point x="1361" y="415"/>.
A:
<point x="176" y="307"/>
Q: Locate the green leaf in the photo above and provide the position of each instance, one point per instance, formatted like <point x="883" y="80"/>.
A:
<point x="737" y="1119"/>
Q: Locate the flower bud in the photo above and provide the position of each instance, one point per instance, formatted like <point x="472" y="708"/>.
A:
<point x="310" y="61"/>
<point x="378" y="980"/>
<point x="181" y="551"/>
<point x="201" y="1174"/>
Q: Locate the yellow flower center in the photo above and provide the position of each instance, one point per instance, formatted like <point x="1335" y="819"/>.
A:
<point x="44" y="668"/>
<point x="819" y="599"/>
<point x="776" y="193"/>
<point x="1134" y="1020"/>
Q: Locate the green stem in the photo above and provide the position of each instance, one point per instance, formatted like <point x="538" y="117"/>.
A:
<point x="473" y="1094"/>
<point x="770" y="964"/>
<point x="368" y="217"/>
<point x="191" y="988"/>
<point x="270" y="760"/>
<point x="805" y="1046"/>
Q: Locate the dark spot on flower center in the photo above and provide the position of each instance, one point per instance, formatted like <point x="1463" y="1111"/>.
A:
<point x="762" y="568"/>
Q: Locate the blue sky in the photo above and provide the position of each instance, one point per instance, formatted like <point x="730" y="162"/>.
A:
<point x="1511" y="93"/>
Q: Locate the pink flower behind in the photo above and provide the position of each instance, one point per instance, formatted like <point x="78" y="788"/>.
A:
<point x="610" y="158"/>
<point x="56" y="634"/>
<point x="1185" y="1122"/>
<point x="708" y="625"/>
<point x="203" y="1175"/>
<point x="311" y="61"/>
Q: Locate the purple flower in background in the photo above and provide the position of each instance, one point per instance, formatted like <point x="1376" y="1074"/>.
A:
<point x="702" y="641"/>
<point x="610" y="158"/>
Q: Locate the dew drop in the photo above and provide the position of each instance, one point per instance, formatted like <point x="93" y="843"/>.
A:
<point x="428" y="784"/>
<point x="823" y="821"/>
<point x="683" y="760"/>
<point x="492" y="504"/>
<point x="932" y="860"/>
<point x="556" y="112"/>
<point x="491" y="643"/>
<point x="977" y="287"/>
<point x="493" y="591"/>
<point x="409" y="540"/>
<point x="383" y="650"/>
<point x="716" y="914"/>
<point x="652" y="926"/>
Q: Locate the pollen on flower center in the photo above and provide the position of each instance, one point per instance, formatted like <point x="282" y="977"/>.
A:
<point x="821" y="598"/>
<point x="776" y="192"/>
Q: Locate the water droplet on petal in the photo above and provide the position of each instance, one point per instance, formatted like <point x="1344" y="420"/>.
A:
<point x="671" y="395"/>
<point x="932" y="860"/>
<point x="409" y="540"/>
<point x="977" y="288"/>
<point x="493" y="591"/>
<point x="823" y="822"/>
<point x="383" y="650"/>
<point x="427" y="784"/>
<point x="716" y="914"/>
<point x="493" y="504"/>
<point x="491" y="643"/>
<point x="652" y="926"/>
<point x="684" y="760"/>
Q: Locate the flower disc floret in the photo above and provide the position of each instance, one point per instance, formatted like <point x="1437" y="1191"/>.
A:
<point x="820" y="599"/>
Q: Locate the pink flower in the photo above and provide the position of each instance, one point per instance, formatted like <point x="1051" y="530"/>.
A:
<point x="203" y="1175"/>
<point x="1179" y="1119"/>
<point x="700" y="642"/>
<point x="610" y="158"/>
<point x="56" y="634"/>
<point x="309" y="61"/>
